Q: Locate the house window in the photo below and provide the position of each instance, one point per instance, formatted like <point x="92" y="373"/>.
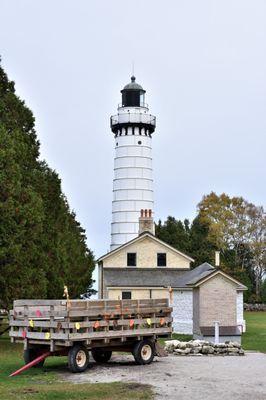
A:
<point x="131" y="259"/>
<point x="126" y="295"/>
<point x="161" y="259"/>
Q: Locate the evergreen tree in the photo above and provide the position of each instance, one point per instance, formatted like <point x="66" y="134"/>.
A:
<point x="201" y="249"/>
<point x="42" y="246"/>
<point x="175" y="233"/>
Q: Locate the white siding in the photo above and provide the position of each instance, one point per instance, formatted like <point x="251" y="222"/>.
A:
<point x="240" y="310"/>
<point x="183" y="311"/>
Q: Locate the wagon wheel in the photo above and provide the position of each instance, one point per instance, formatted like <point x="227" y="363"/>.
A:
<point x="144" y="352"/>
<point x="78" y="358"/>
<point x="100" y="355"/>
<point x="30" y="354"/>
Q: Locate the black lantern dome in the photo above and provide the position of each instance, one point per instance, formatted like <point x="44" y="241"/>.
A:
<point x="133" y="94"/>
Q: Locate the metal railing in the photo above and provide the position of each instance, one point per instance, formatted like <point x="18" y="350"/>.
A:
<point x="143" y="105"/>
<point x="135" y="118"/>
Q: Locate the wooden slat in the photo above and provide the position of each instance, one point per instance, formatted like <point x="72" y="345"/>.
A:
<point x="39" y="303"/>
<point x="83" y="324"/>
<point x="126" y="333"/>
<point x="41" y="335"/>
<point x="96" y="312"/>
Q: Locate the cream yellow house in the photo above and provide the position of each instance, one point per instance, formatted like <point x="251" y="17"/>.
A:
<point x="147" y="267"/>
<point x="142" y="268"/>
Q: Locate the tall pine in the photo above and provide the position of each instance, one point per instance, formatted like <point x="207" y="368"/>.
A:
<point x="42" y="246"/>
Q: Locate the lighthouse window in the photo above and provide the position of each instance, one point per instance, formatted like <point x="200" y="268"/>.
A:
<point x="139" y="142"/>
<point x="131" y="259"/>
<point x="161" y="259"/>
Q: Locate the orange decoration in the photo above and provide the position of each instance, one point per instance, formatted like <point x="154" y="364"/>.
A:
<point x="131" y="323"/>
<point x="162" y="321"/>
<point x="96" y="324"/>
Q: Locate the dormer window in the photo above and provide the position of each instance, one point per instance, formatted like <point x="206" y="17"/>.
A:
<point x="131" y="259"/>
<point x="161" y="259"/>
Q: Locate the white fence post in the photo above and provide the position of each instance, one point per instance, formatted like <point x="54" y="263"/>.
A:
<point x="216" y="332"/>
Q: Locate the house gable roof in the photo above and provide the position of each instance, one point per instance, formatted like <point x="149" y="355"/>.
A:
<point x="141" y="237"/>
<point x="204" y="278"/>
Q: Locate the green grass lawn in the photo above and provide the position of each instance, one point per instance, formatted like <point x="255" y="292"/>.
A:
<point x="44" y="383"/>
<point x="255" y="337"/>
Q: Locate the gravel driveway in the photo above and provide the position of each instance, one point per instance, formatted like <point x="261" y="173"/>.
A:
<point x="187" y="378"/>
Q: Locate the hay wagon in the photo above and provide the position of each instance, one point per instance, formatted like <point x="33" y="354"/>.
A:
<point x="75" y="327"/>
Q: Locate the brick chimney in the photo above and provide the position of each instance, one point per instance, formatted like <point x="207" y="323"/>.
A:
<point x="146" y="223"/>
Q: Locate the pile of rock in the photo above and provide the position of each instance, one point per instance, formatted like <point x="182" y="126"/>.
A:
<point x="254" y="307"/>
<point x="202" y="347"/>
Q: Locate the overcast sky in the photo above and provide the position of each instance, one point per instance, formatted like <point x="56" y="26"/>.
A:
<point x="203" y="65"/>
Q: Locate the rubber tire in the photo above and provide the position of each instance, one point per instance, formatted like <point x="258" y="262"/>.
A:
<point x="137" y="352"/>
<point x="101" y="356"/>
<point x="30" y="355"/>
<point x="72" y="363"/>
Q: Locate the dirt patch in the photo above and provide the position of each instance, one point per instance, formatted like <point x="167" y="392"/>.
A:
<point x="29" y="391"/>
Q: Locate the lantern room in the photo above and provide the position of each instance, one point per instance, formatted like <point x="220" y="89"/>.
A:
<point x="133" y="95"/>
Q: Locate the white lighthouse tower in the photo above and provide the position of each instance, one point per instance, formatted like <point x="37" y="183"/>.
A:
<point x="133" y="182"/>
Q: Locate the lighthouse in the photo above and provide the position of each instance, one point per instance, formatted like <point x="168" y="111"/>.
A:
<point x="132" y="127"/>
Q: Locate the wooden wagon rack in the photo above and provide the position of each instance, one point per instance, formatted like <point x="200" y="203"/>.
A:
<point x="55" y="324"/>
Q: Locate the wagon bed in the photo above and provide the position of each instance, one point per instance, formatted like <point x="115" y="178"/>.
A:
<point x="58" y="324"/>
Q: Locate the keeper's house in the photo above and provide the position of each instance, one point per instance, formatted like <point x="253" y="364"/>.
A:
<point x="146" y="267"/>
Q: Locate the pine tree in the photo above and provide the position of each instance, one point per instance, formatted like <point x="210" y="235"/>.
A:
<point x="175" y="233"/>
<point x="42" y="246"/>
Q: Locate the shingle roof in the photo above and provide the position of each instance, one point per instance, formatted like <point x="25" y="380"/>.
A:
<point x="142" y="277"/>
<point x="159" y="277"/>
<point x="193" y="276"/>
<point x="176" y="278"/>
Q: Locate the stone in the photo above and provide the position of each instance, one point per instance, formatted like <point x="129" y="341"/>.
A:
<point x="207" y="349"/>
<point x="220" y="345"/>
<point x="196" y="350"/>
<point x="232" y="350"/>
<point x="236" y="344"/>
<point x="170" y="345"/>
<point x="178" y="351"/>
<point x="196" y="343"/>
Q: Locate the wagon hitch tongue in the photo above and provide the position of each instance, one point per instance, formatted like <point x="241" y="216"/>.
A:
<point x="32" y="363"/>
